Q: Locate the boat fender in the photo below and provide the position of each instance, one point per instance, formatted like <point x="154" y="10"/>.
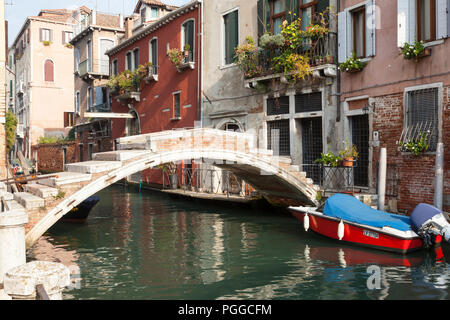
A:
<point x="306" y="222"/>
<point x="340" y="231"/>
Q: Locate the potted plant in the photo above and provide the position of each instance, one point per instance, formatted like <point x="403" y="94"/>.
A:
<point x="414" y="51"/>
<point x="46" y="43"/>
<point x="328" y="159"/>
<point x="175" y="56"/>
<point x="353" y="64"/>
<point x="416" y="146"/>
<point x="349" y="154"/>
<point x="187" y="48"/>
<point x="246" y="58"/>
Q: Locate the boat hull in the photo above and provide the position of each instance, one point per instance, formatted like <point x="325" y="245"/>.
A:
<point x="80" y="213"/>
<point x="361" y="235"/>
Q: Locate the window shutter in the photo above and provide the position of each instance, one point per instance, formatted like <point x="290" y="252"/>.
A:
<point x="442" y="20"/>
<point x="342" y="36"/>
<point x="232" y="35"/>
<point x="63" y="37"/>
<point x="263" y="17"/>
<point x="406" y="22"/>
<point x="370" y="28"/>
<point x="98" y="96"/>
<point x="40" y="34"/>
<point x="51" y="35"/>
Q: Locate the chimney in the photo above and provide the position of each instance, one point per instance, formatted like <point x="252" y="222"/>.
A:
<point x="129" y="24"/>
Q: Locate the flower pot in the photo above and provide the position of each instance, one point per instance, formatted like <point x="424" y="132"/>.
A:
<point x="348" y="162"/>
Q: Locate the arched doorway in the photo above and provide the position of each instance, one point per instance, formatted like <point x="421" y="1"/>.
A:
<point x="133" y="127"/>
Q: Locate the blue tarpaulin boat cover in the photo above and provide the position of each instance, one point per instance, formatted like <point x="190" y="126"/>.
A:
<point x="349" y="208"/>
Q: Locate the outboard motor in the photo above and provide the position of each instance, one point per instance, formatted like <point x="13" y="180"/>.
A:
<point x="429" y="222"/>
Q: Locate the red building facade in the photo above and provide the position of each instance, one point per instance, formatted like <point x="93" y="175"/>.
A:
<point x="169" y="97"/>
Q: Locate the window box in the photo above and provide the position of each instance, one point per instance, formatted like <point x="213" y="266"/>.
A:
<point x="152" y="75"/>
<point x="186" y="65"/>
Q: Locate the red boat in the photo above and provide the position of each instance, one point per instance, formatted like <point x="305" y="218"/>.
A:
<point x="345" y="218"/>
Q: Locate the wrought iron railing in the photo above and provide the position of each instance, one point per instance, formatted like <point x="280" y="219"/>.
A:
<point x="320" y="51"/>
<point x="210" y="181"/>
<point x="97" y="66"/>
<point x="331" y="179"/>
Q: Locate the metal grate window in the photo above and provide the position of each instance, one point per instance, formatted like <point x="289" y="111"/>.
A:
<point x="278" y="106"/>
<point x="307" y="102"/>
<point x="312" y="147"/>
<point x="360" y="137"/>
<point x="421" y="112"/>
<point x="278" y="137"/>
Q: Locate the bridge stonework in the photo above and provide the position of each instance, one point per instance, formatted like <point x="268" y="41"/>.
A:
<point x="274" y="177"/>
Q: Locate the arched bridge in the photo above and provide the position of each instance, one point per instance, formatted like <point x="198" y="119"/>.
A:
<point x="275" y="178"/>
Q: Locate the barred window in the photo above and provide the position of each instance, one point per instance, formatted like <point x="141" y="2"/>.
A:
<point x="307" y="102"/>
<point x="421" y="116"/>
<point x="278" y="106"/>
<point x="278" y="137"/>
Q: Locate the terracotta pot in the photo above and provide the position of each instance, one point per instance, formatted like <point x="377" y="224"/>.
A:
<point x="348" y="162"/>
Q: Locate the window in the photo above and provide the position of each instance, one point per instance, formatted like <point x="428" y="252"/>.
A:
<point x="49" y="71"/>
<point x="426" y="20"/>
<point x="231" y="35"/>
<point x="278" y="138"/>
<point x="129" y="61"/>
<point x="277" y="14"/>
<point x="77" y="59"/>
<point x="308" y="102"/>
<point x="90" y="101"/>
<point x="359" y="32"/>
<point x="68" y="119"/>
<point x="153" y="55"/>
<point x="278" y="106"/>
<point x="77" y="102"/>
<point x="188" y="39"/>
<point x="115" y="67"/>
<point x="154" y="12"/>
<point x="135" y="58"/>
<point x="143" y="15"/>
<point x="308" y="9"/>
<point x="46" y="35"/>
<point x="176" y="105"/>
<point x="67" y="36"/>
<point x="421" y="115"/>
<point x="422" y="20"/>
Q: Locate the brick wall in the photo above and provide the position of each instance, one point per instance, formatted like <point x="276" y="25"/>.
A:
<point x="415" y="175"/>
<point x="51" y="156"/>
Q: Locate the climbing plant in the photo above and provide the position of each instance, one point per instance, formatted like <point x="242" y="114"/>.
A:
<point x="11" y="125"/>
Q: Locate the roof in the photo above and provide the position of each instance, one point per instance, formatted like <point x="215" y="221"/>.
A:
<point x="156" y="3"/>
<point x="155" y="25"/>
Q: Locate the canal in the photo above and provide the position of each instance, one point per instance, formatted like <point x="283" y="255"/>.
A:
<point x="150" y="246"/>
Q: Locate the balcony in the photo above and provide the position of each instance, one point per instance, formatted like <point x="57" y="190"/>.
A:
<point x="104" y="111"/>
<point x="152" y="74"/>
<point x="91" y="68"/>
<point x="320" y="52"/>
<point x="187" y="62"/>
<point x="20" y="130"/>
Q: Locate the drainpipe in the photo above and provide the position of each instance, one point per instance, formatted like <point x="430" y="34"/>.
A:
<point x="338" y="80"/>
<point x="382" y="179"/>
<point x="201" y="59"/>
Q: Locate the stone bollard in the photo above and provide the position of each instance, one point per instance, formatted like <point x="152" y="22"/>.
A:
<point x="12" y="240"/>
<point x="20" y="282"/>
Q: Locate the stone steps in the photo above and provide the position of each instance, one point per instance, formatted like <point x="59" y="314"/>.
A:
<point x="65" y="178"/>
<point x="41" y="191"/>
<point x="93" y="166"/>
<point x="28" y="200"/>
<point x="12" y="205"/>
<point x="120" y="155"/>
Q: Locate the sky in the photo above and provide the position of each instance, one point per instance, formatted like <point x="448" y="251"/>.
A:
<point x="16" y="11"/>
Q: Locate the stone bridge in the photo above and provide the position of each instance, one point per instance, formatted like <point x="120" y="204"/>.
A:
<point x="49" y="199"/>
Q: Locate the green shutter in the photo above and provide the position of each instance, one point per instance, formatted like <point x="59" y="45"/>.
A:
<point x="189" y="34"/>
<point x="231" y="35"/>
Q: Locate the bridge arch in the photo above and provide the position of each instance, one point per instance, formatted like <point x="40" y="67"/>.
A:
<point x="279" y="182"/>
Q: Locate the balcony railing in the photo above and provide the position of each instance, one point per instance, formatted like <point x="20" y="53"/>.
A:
<point x="321" y="53"/>
<point x="331" y="179"/>
<point x="104" y="107"/>
<point x="94" y="66"/>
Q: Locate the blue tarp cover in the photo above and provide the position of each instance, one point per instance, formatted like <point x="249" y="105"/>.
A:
<point x="349" y="208"/>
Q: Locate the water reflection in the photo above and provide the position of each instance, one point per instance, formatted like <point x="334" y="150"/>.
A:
<point x="149" y="246"/>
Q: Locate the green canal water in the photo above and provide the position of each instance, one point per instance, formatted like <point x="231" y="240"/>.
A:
<point x="150" y="246"/>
